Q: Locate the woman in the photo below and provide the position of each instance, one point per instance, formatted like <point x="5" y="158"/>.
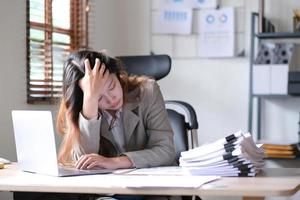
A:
<point x="109" y="120"/>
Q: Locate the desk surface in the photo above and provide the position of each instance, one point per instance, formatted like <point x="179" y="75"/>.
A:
<point x="270" y="182"/>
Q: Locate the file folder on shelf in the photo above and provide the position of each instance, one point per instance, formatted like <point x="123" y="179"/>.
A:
<point x="281" y="150"/>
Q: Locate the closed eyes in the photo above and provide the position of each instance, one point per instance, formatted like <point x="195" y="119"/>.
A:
<point x="112" y="86"/>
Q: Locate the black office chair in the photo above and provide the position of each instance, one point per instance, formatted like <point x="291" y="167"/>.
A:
<point x="182" y="116"/>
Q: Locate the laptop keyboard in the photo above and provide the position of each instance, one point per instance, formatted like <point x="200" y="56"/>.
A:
<point x="66" y="171"/>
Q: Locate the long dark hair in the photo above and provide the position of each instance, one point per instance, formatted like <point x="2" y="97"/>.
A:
<point x="72" y="99"/>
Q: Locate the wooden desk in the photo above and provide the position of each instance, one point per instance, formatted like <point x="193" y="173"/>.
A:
<point x="270" y="182"/>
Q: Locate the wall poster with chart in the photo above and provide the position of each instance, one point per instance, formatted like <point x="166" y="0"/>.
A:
<point x="173" y="21"/>
<point x="217" y="33"/>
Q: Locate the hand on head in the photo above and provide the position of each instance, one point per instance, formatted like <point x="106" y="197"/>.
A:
<point x="93" y="82"/>
<point x="92" y="85"/>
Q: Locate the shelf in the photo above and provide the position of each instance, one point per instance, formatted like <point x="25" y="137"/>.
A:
<point x="272" y="95"/>
<point x="275" y="95"/>
<point x="256" y="100"/>
<point x="278" y="159"/>
<point x="278" y="35"/>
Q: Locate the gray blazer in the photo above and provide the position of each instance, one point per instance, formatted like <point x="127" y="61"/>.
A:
<point x="148" y="134"/>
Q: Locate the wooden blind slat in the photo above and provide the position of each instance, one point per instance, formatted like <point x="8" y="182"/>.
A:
<point x="44" y="93"/>
<point x="49" y="27"/>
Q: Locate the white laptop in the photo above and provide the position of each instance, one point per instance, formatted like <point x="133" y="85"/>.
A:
<point x="35" y="145"/>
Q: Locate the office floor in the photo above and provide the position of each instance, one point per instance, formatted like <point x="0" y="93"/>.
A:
<point x="6" y="196"/>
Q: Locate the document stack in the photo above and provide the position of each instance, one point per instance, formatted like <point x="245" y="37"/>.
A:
<point x="280" y="150"/>
<point x="235" y="155"/>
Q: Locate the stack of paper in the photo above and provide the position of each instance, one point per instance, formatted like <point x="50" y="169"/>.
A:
<point x="235" y="155"/>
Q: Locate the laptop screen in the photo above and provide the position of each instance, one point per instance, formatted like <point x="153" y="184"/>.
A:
<point x="35" y="141"/>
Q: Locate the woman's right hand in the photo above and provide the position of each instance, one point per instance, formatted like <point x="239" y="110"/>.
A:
<point x="92" y="85"/>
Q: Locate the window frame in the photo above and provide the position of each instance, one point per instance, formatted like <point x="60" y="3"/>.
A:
<point x="78" y="33"/>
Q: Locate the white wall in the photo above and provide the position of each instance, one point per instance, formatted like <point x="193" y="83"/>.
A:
<point x="217" y="88"/>
<point x="121" y="27"/>
<point x="12" y="76"/>
<point x="204" y="84"/>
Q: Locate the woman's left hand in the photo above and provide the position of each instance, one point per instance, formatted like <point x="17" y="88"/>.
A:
<point x="94" y="161"/>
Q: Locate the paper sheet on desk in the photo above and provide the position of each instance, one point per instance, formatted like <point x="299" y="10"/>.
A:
<point x="168" y="170"/>
<point x="136" y="181"/>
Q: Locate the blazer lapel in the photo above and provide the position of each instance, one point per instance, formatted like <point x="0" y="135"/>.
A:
<point x="130" y="120"/>
<point x="104" y="130"/>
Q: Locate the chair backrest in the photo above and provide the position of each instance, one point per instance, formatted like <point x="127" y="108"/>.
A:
<point x="155" y="66"/>
<point x="177" y="122"/>
<point x="183" y="119"/>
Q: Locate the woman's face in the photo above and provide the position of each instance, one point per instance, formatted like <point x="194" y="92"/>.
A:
<point x="112" y="96"/>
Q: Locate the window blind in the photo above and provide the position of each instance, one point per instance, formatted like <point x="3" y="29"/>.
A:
<point x="54" y="29"/>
